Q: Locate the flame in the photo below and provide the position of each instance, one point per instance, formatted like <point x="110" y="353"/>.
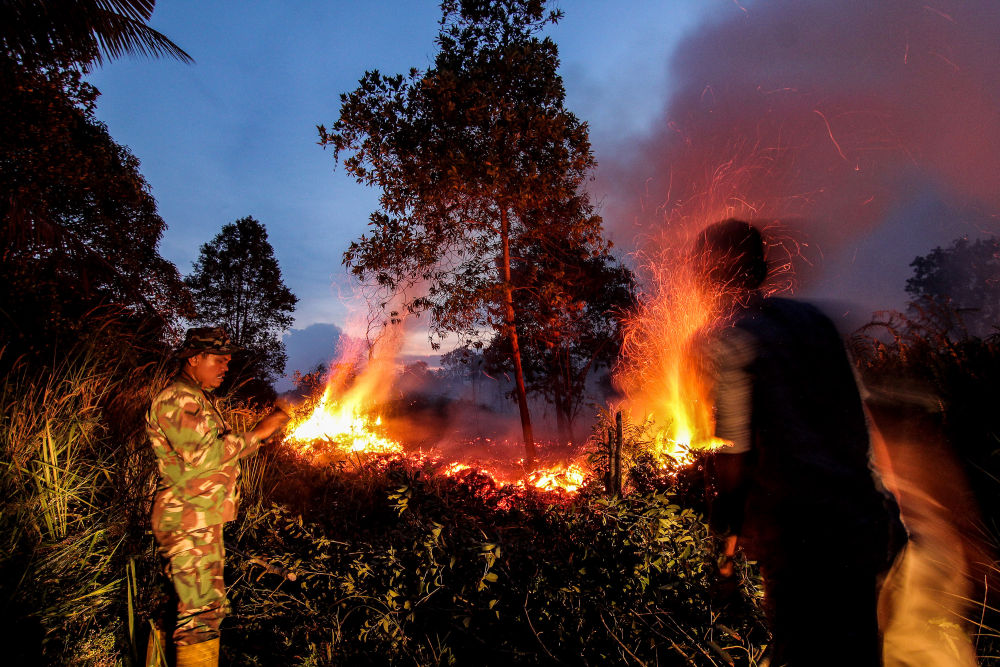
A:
<point x="660" y="368"/>
<point x="345" y="425"/>
<point x="453" y="469"/>
<point x="344" y="418"/>
<point x="662" y="373"/>
<point x="343" y="415"/>
<point x="562" y="477"/>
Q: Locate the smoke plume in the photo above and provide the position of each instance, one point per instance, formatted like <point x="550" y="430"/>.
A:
<point x="871" y="131"/>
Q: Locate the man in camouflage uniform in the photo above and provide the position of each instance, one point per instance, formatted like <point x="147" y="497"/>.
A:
<point x="199" y="462"/>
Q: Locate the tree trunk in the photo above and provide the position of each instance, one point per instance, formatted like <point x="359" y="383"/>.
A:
<point x="508" y="296"/>
<point x="564" y="425"/>
<point x="565" y="388"/>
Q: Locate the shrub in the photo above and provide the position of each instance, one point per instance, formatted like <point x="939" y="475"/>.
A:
<point x="401" y="567"/>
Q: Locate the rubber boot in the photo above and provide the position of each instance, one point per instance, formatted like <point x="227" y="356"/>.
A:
<point x="202" y="654"/>
<point x="156" y="648"/>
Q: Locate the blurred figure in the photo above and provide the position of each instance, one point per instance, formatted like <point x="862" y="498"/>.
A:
<point x="933" y="587"/>
<point x="795" y="489"/>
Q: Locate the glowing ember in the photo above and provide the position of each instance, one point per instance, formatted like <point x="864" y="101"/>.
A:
<point x="682" y="453"/>
<point x="566" y="478"/>
<point x="453" y="468"/>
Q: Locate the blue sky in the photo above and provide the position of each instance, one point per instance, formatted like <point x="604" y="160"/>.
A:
<point x="235" y="133"/>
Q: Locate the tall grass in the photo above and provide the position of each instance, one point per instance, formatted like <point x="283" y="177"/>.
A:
<point x="74" y="478"/>
<point x="242" y="417"/>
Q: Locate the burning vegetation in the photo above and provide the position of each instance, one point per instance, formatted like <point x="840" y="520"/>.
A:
<point x="370" y="537"/>
<point x="345" y="420"/>
<point x="343" y="424"/>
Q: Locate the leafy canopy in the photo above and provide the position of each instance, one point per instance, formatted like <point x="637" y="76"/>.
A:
<point x="79" y="228"/>
<point x="237" y="284"/>
<point x="467" y="154"/>
<point x="964" y="278"/>
<point x="81" y="31"/>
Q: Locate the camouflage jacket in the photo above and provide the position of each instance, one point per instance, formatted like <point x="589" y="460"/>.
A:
<point x="198" y="458"/>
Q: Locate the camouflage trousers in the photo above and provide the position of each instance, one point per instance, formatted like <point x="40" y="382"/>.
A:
<point x="194" y="564"/>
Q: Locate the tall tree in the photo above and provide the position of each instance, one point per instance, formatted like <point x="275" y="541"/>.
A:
<point x="79" y="229"/>
<point x="961" y="284"/>
<point x="469" y="156"/>
<point x="237" y="284"/>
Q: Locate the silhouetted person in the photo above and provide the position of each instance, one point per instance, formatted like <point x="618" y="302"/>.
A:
<point x="795" y="488"/>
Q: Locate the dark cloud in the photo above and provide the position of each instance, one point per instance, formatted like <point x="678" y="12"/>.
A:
<point x="857" y="120"/>
<point x="307" y="348"/>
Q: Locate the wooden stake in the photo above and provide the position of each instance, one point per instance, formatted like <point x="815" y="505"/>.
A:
<point x="618" y="453"/>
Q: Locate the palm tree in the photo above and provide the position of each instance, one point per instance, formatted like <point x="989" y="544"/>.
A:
<point x="81" y="32"/>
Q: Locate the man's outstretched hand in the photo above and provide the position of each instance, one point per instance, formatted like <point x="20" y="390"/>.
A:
<point x="271" y="424"/>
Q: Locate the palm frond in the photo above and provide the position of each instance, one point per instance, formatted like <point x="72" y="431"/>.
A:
<point x="140" y="10"/>
<point x="120" y="35"/>
<point x="82" y="31"/>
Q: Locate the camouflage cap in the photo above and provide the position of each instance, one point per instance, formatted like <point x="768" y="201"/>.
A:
<point x="213" y="340"/>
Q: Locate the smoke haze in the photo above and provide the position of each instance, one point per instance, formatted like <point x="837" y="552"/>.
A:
<point x="870" y="130"/>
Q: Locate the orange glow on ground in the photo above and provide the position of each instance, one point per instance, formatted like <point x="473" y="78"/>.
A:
<point x="565" y="477"/>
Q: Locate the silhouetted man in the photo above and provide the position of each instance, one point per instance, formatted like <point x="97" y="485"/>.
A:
<point x="795" y="488"/>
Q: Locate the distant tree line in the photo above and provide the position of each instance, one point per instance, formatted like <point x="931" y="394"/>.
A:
<point x="959" y="287"/>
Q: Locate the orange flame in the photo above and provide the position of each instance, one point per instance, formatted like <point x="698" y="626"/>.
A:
<point x="342" y="423"/>
<point x="343" y="414"/>
<point x="343" y="419"/>
<point x="662" y="375"/>
<point x="661" y="371"/>
<point x="563" y="477"/>
<point x="566" y="477"/>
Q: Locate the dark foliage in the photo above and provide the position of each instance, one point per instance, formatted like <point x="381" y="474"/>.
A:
<point x="573" y="297"/>
<point x="80" y="230"/>
<point x="396" y="566"/>
<point x="81" y="32"/>
<point x="237" y="284"/>
<point x="960" y="285"/>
